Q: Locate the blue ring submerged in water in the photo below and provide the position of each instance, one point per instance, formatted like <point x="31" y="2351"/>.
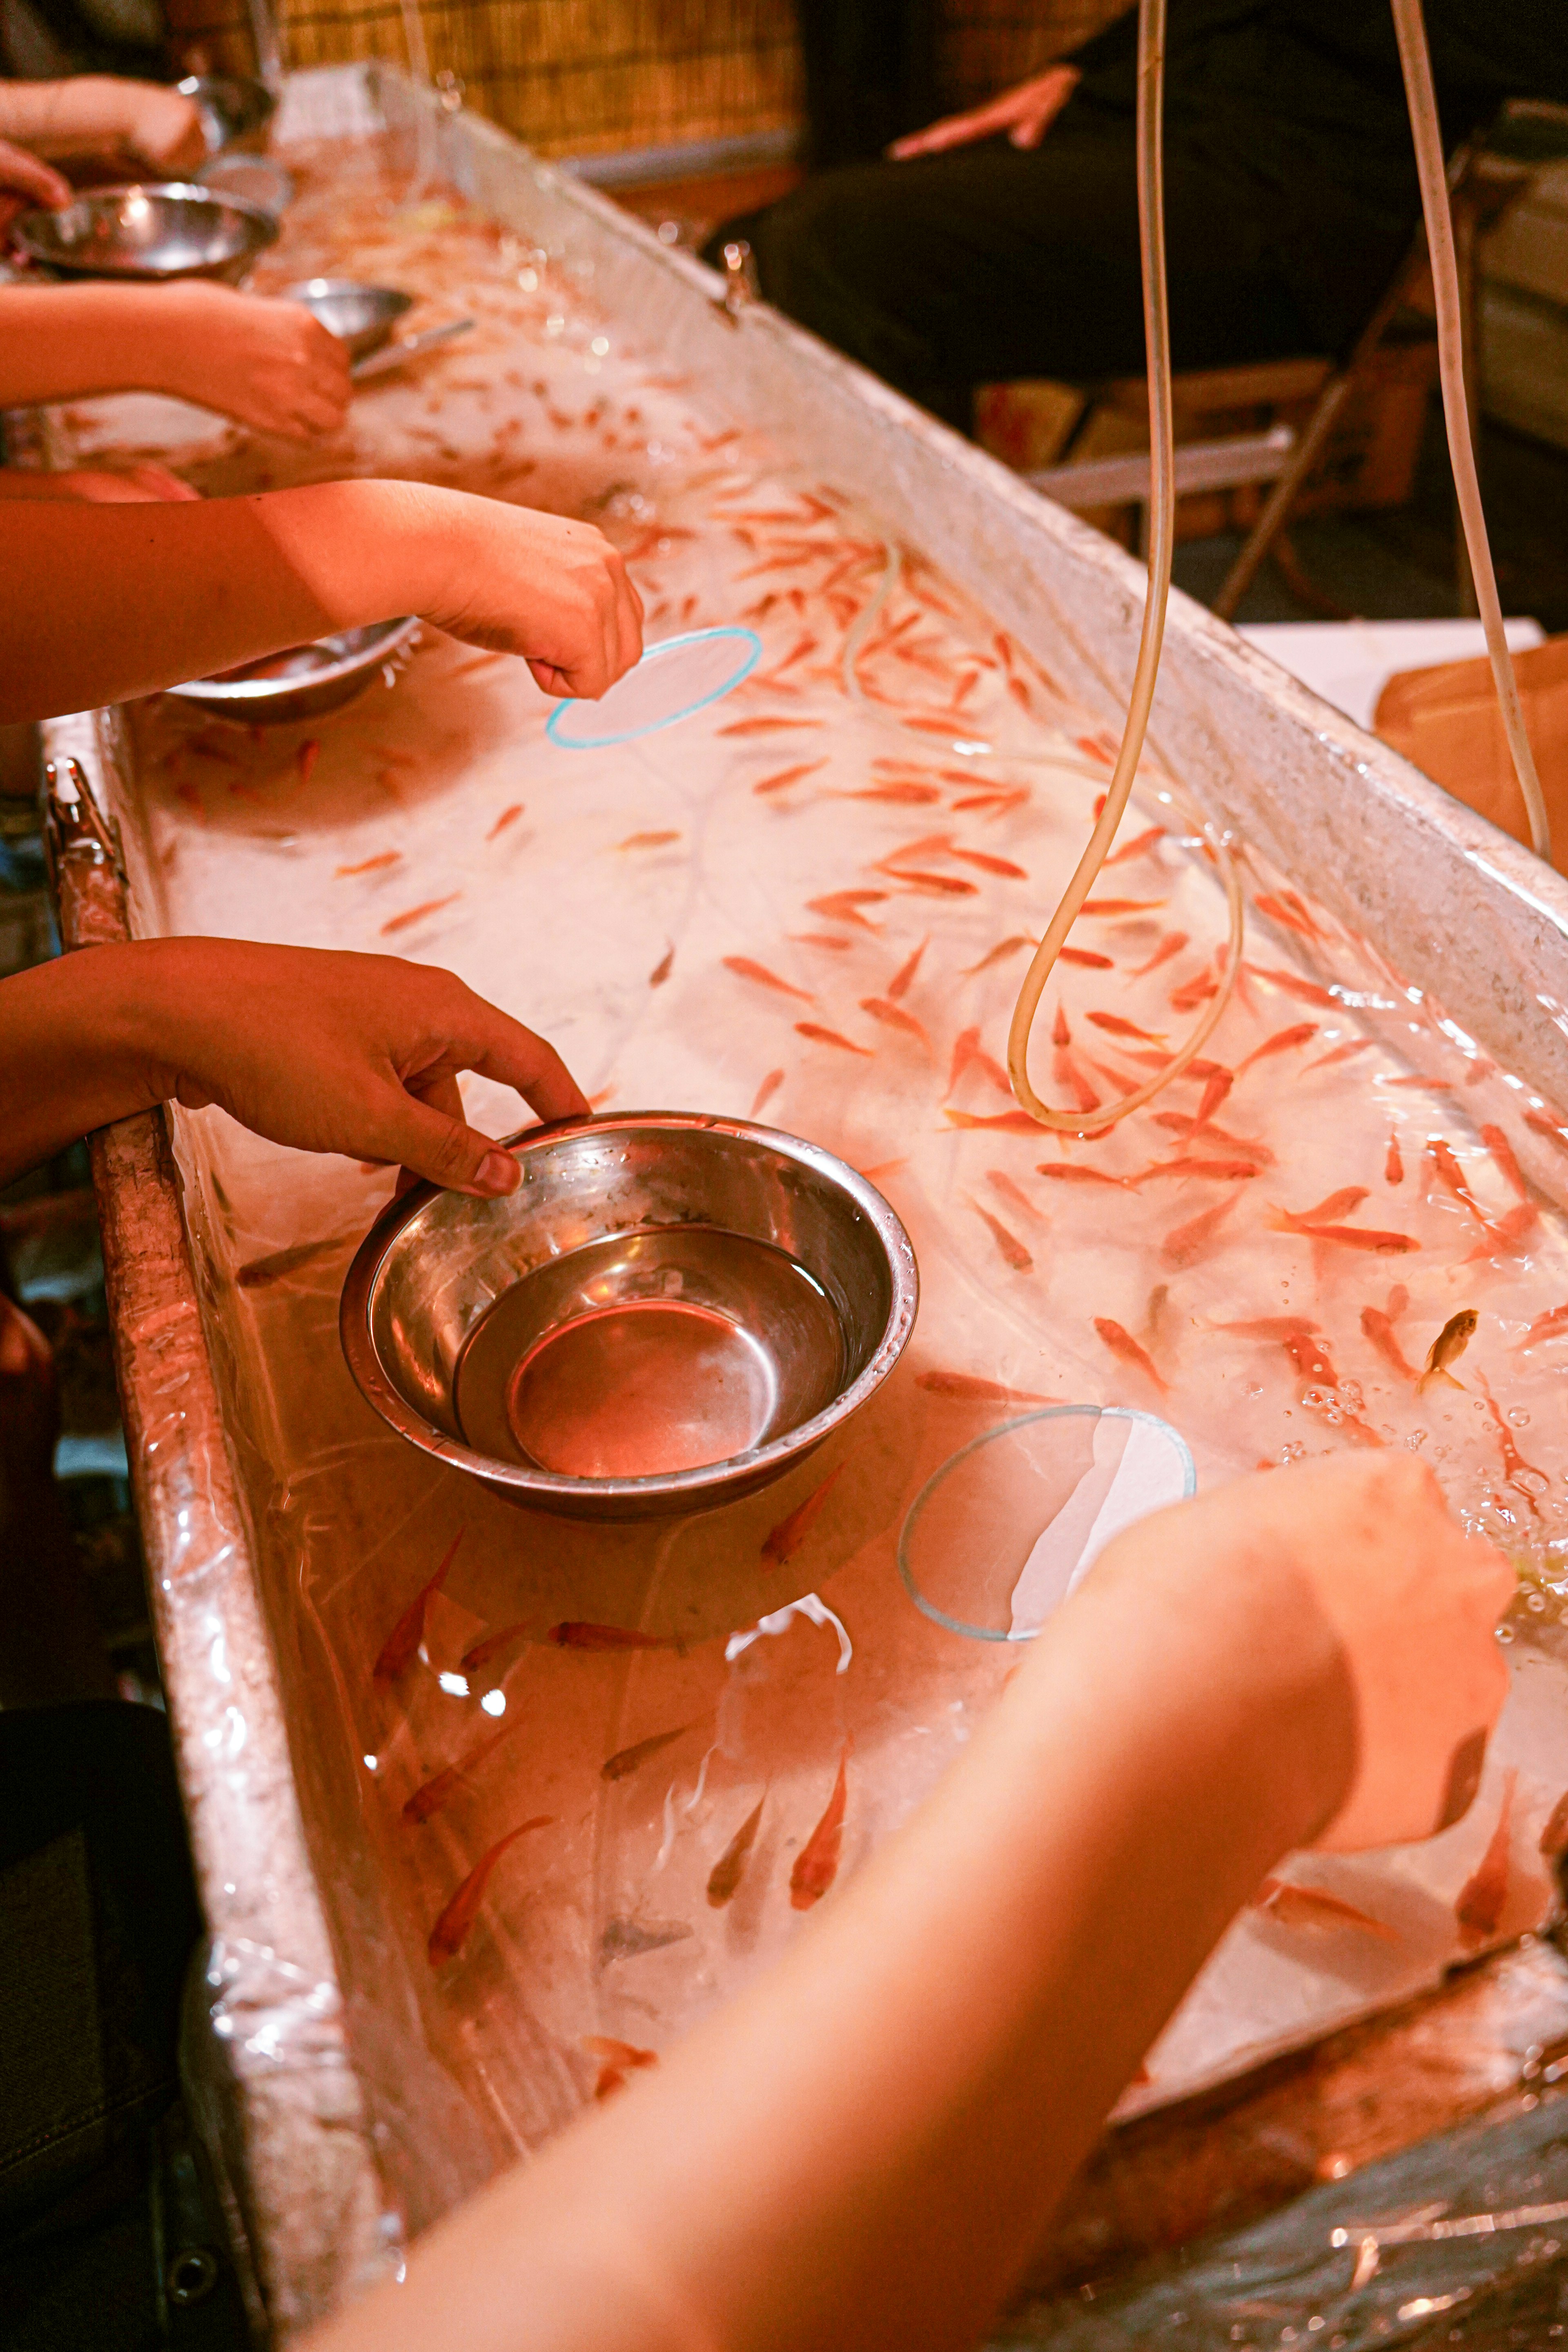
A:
<point x="939" y="1616"/>
<point x="569" y="719"/>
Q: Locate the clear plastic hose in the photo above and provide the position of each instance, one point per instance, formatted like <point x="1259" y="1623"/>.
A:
<point x="1415" y="63"/>
<point x="1162" y="517"/>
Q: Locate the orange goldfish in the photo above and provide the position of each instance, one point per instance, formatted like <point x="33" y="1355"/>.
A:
<point x="1292" y="910"/>
<point x="1313" y="1906"/>
<point x="1005" y="948"/>
<point x="893" y="1016"/>
<point x="1328" y="1212"/>
<point x="647" y="840"/>
<point x="1002" y="1122"/>
<point x="1219" y="1171"/>
<point x="409" y="1631"/>
<point x="1501" y="1150"/>
<point x="1115" y="1027"/>
<point x="1358" y="1238"/>
<point x="1121" y="906"/>
<point x="1182" y="1242"/>
<point x="508" y="816"/>
<point x="844" y="906"/>
<point x="724" y="1878"/>
<point x="1310" y="1359"/>
<point x="1008" y="1241"/>
<point x="447" y="1936"/>
<point x="1549" y="1326"/>
<point x="941" y="885"/>
<point x="662" y="969"/>
<point x="989" y="864"/>
<point x="1171" y="945"/>
<point x="816" y="1864"/>
<point x="1269" y="1327"/>
<point x="1085" y="956"/>
<point x="417" y="914"/>
<point x="745" y="969"/>
<point x="1067" y="1172"/>
<point x="820" y="1037"/>
<point x="433" y="1795"/>
<point x="625" y="1760"/>
<point x="1281" y="1042"/>
<point x="1010" y="1192"/>
<point x="1514" y="1465"/>
<point x="903" y="978"/>
<point x="1450" y="1344"/>
<point x="787" y="776"/>
<point x="1294" y="986"/>
<point x="1453" y="1176"/>
<point x="783" y="1542"/>
<point x="1122" y="1343"/>
<point x="769" y="1088"/>
<point x="1379" y="1329"/>
<point x="1135" y="848"/>
<point x="1485" y="1891"/>
<point x="369" y="864"/>
<point x="1394" y="1166"/>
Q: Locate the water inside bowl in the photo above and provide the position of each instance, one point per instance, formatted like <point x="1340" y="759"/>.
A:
<point x="673" y="680"/>
<point x="649" y="1352"/>
<point x="999" y="1535"/>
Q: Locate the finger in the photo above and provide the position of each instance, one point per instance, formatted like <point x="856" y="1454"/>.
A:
<point x="30" y="176"/>
<point x="446" y="1151"/>
<point x="1028" y="134"/>
<point x="514" y="1055"/>
<point x="550" y="680"/>
<point x="159" y="483"/>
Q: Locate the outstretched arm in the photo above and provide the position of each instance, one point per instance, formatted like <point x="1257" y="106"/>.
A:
<point x="326" y="1052"/>
<point x="100" y="603"/>
<point x="100" y="114"/>
<point x="865" y="2147"/>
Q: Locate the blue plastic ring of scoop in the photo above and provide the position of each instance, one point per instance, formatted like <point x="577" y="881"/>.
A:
<point x="989" y="1438"/>
<point x="564" y="711"/>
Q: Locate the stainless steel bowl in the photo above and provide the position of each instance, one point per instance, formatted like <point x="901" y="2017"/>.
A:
<point x="155" y="230"/>
<point x="361" y="316"/>
<point x="232" y="107"/>
<point x="306" y="681"/>
<point x="668" y="1313"/>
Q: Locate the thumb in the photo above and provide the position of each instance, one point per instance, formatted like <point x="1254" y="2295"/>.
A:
<point x="446" y="1150"/>
<point x="29" y="176"/>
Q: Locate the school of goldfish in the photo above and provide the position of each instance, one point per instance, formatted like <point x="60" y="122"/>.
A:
<point x="813" y="900"/>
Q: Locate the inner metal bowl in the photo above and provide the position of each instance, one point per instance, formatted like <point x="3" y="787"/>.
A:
<point x="305" y="681"/>
<point x="361" y="316"/>
<point x="232" y="107"/>
<point x="150" y="231"/>
<point x="668" y="1313"/>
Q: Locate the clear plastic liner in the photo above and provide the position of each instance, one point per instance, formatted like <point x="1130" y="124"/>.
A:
<point x="809" y="903"/>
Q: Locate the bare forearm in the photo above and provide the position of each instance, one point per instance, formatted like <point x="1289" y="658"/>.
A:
<point x="883" y="2126"/>
<point x="100" y="604"/>
<point x="68" y="342"/>
<point x="72" y="1055"/>
<point x="79" y="116"/>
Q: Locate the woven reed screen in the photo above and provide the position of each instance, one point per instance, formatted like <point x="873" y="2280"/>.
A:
<point x="596" y="76"/>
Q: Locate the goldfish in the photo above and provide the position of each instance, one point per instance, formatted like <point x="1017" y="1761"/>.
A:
<point x="1067" y="1172"/>
<point x="411" y="915"/>
<point x="1310" y="1359"/>
<point x="1003" y="1122"/>
<point x="724" y="1878"/>
<point x="1292" y="910"/>
<point x="1010" y="1192"/>
<point x="409" y="1631"/>
<point x="1359" y="1237"/>
<point x="647" y="840"/>
<point x="844" y="906"/>
<point x="821" y="939"/>
<point x="1453" y="1176"/>
<point x="997" y="804"/>
<point x="1515" y="1466"/>
<point x="1122" y="1343"/>
<point x="1216" y="1086"/>
<point x="1307" y="990"/>
<point x="816" y="1864"/>
<point x="1061" y="1033"/>
<point x="490" y="1645"/>
<point x="1449" y="1345"/>
<point x="626" y="1760"/>
<point x="1193" y="992"/>
<point x="1121" y="906"/>
<point x="617" y="2060"/>
<point x="1549" y="1326"/>
<point x="1328" y="1212"/>
<point x="968" y="1388"/>
<point x="1085" y="956"/>
<point x="1182" y="1242"/>
<point x="904" y="792"/>
<point x="943" y="886"/>
<point x="1220" y="1171"/>
<point x="1313" y="1906"/>
<point x="1135" y="848"/>
<point x="989" y="864"/>
<point x="903" y="978"/>
<point x="768" y="1088"/>
<point x="965" y="1046"/>
<point x="766" y="726"/>
<point x="1008" y="1241"/>
<point x="998" y="954"/>
<point x="893" y="1016"/>
<point x="1241" y="1146"/>
<point x="433" y="1795"/>
<point x="447" y="1936"/>
<point x="1481" y="1898"/>
<point x="1269" y="1327"/>
<point x="821" y="1036"/>
<point x="1171" y="945"/>
<point x="1554" y="1132"/>
<point x="782" y="1542"/>
<point x="662" y="969"/>
<point x="1379" y="1328"/>
<point x="1501" y="1150"/>
<point x="369" y="864"/>
<point x="1281" y="1042"/>
<point x="261" y="1273"/>
<point x="1503" y="1234"/>
<point x="508" y="816"/>
<point x="745" y="969"/>
<point x="787" y="776"/>
<point x="1394" y="1166"/>
<point x="572" y="1634"/>
<point x="1066" y="1072"/>
<point x="1115" y="1027"/>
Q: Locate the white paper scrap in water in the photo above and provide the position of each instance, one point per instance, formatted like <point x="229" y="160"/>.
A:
<point x="1138" y="1467"/>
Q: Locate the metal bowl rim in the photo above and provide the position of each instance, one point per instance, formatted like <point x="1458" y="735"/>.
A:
<point x="364" y="1362"/>
<point x="183" y="191"/>
<point x="325" y="290"/>
<point x="262" y="690"/>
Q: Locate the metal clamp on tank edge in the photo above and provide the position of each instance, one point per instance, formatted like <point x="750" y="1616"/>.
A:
<point x="741" y="285"/>
<point x="74" y="827"/>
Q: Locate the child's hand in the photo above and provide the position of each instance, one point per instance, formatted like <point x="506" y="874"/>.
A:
<point x="328" y="1052"/>
<point x="539" y="585"/>
<point x="270" y="364"/>
<point x="158" y="127"/>
<point x="27" y="182"/>
<point x="1024" y="113"/>
<point x="1364" y="1550"/>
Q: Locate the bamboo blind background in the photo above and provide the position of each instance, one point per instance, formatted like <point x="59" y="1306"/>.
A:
<point x="594" y="76"/>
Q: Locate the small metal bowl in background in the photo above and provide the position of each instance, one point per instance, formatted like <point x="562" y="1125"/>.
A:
<point x="668" y="1313"/>
<point x="153" y="230"/>
<point x="362" y="317"/>
<point x="232" y="107"/>
<point x="305" y="682"/>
